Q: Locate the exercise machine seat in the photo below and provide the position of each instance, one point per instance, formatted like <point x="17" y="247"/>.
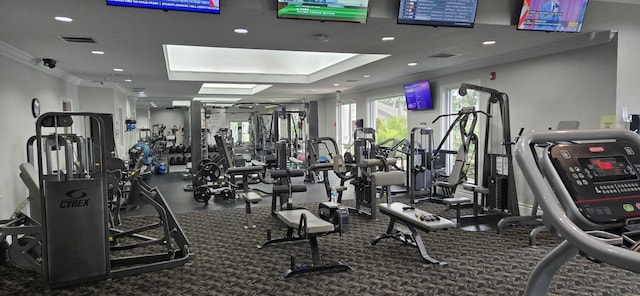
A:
<point x="30" y="178"/>
<point x="373" y="162"/>
<point x="280" y="189"/>
<point x="476" y="188"/>
<point x="244" y="170"/>
<point x="388" y="178"/>
<point x="314" y="224"/>
<point x="321" y="166"/>
<point x="252" y="197"/>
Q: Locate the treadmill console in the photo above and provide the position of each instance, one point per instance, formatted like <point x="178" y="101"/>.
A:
<point x="602" y="178"/>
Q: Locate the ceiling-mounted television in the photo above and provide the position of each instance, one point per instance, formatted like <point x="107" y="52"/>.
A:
<point x="451" y="13"/>
<point x="325" y="10"/>
<point x="552" y="15"/>
<point x="418" y="96"/>
<point x="207" y="6"/>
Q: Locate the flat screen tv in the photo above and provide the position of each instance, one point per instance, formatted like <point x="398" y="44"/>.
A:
<point x="325" y="10"/>
<point x="418" y="96"/>
<point x="552" y="15"/>
<point x="451" y="13"/>
<point x="207" y="6"/>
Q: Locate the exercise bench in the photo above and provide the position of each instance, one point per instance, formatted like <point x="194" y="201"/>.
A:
<point x="302" y="224"/>
<point x="249" y="196"/>
<point x="413" y="219"/>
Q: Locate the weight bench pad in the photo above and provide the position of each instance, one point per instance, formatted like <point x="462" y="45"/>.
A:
<point x="455" y="200"/>
<point x="388" y="178"/>
<point x="476" y="188"/>
<point x="244" y="170"/>
<point x="409" y="216"/>
<point x="295" y="160"/>
<point x="373" y="162"/>
<point x="252" y="197"/>
<point x="321" y="166"/>
<point x="314" y="224"/>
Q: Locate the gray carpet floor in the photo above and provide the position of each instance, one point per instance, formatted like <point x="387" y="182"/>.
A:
<point x="226" y="261"/>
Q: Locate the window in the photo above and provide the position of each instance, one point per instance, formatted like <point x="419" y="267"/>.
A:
<point x="390" y="118"/>
<point x="345" y="123"/>
<point x="242" y="127"/>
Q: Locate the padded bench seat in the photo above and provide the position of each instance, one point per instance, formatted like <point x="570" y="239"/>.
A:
<point x="321" y="166"/>
<point x="412" y="215"/>
<point x="244" y="170"/>
<point x="476" y="188"/>
<point x="388" y="178"/>
<point x="314" y="224"/>
<point x="412" y="219"/>
<point x="456" y="200"/>
<point x="373" y="162"/>
<point x="252" y="197"/>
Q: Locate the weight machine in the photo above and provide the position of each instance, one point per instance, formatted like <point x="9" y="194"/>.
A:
<point x="498" y="177"/>
<point x="466" y="120"/>
<point x="420" y="164"/>
<point x="72" y="239"/>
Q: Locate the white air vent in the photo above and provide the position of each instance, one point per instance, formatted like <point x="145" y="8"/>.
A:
<point x="444" y="55"/>
<point x="77" y="39"/>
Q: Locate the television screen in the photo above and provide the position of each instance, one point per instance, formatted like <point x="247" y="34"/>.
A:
<point x="451" y="13"/>
<point x="325" y="10"/>
<point x="552" y="15"/>
<point x="208" y="6"/>
<point x="418" y="96"/>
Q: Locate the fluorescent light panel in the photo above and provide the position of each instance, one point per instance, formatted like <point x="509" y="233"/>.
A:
<point x="232" y="88"/>
<point x="205" y="99"/>
<point x="218" y="104"/>
<point x="180" y="103"/>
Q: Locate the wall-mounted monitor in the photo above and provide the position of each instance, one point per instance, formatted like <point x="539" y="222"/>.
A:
<point x="552" y="15"/>
<point x="418" y="96"/>
<point x="207" y="6"/>
<point x="325" y="10"/>
<point x="450" y="13"/>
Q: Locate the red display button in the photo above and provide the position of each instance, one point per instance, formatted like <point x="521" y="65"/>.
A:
<point x="596" y="149"/>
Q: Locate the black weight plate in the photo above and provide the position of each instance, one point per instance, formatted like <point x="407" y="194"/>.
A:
<point x="202" y="194"/>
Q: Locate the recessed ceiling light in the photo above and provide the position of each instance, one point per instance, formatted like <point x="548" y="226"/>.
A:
<point x="336" y="84"/>
<point x="412" y="64"/>
<point x="241" y="31"/>
<point x="97" y="52"/>
<point x="366" y="76"/>
<point x="128" y="80"/>
<point x="388" y="38"/>
<point x="63" y="19"/>
<point x="118" y="69"/>
<point x="489" y="42"/>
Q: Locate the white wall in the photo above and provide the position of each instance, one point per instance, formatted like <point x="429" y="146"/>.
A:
<point x="624" y="19"/>
<point x="142" y="118"/>
<point x="19" y="84"/>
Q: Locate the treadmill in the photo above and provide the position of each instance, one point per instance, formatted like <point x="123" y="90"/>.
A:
<point x="588" y="186"/>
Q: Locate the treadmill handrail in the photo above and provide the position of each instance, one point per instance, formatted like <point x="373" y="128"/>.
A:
<point x="554" y="215"/>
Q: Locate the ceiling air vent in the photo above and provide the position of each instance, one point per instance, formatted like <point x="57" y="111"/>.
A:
<point x="138" y="89"/>
<point x="444" y="55"/>
<point x="352" y="80"/>
<point x="76" y="39"/>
